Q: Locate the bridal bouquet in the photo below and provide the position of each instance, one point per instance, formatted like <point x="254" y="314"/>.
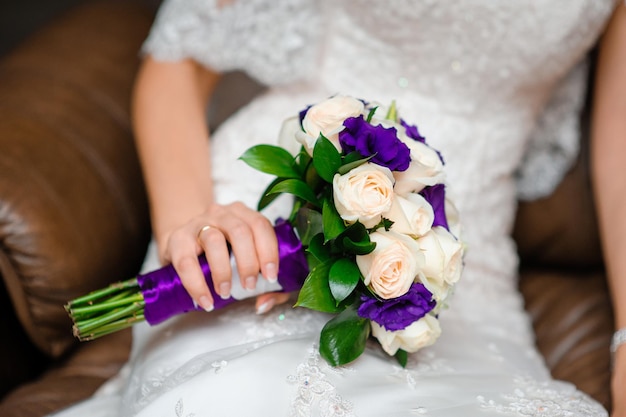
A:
<point x="371" y="236"/>
<point x="370" y="209"/>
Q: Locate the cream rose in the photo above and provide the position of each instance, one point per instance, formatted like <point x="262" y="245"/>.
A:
<point x="327" y="118"/>
<point x="425" y="169"/>
<point x="411" y="215"/>
<point x="443" y="255"/>
<point x="364" y="193"/>
<point x="424" y="332"/>
<point x="287" y="135"/>
<point x="391" y="268"/>
<point x="453" y="218"/>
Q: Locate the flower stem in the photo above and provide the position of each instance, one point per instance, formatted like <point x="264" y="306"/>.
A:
<point x="122" y="313"/>
<point x="112" y="289"/>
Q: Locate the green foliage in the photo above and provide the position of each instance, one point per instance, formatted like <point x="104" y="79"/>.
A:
<point x="298" y="188"/>
<point x="333" y="223"/>
<point x="272" y="160"/>
<point x="343" y="278"/>
<point x="343" y="338"/>
<point x="315" y="293"/>
<point x="308" y="224"/>
<point x="402" y="357"/>
<point x="326" y="159"/>
<point x="354" y="240"/>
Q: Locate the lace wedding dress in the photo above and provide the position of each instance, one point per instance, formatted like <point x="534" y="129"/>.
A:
<point x="495" y="86"/>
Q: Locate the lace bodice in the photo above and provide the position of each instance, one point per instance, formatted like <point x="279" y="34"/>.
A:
<point x="522" y="50"/>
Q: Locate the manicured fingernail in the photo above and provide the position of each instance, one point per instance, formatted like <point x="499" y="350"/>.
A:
<point x="206" y="303"/>
<point x="266" y="306"/>
<point x="225" y="290"/>
<point x="271" y="273"/>
<point x="251" y="283"/>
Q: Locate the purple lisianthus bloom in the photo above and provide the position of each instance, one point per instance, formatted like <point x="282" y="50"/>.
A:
<point x="398" y="313"/>
<point x="436" y="196"/>
<point x="368" y="140"/>
<point x="412" y="132"/>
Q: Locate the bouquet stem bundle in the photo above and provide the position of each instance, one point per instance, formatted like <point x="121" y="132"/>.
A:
<point x="108" y="310"/>
<point x="158" y="295"/>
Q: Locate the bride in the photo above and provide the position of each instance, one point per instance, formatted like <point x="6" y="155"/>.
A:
<point x="495" y="86"/>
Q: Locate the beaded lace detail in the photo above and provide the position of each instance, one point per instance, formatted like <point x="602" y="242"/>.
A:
<point x="316" y="394"/>
<point x="544" y="399"/>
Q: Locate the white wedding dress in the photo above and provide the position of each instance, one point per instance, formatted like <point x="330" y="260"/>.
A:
<point x="495" y="86"/>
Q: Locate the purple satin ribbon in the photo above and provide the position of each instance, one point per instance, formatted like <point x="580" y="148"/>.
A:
<point x="166" y="297"/>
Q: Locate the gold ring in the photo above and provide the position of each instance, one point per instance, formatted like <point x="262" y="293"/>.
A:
<point x="204" y="229"/>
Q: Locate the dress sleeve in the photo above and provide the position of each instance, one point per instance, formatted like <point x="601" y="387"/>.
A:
<point x="555" y="141"/>
<point x="274" y="41"/>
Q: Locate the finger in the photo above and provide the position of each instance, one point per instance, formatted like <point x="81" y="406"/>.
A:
<point x="265" y="242"/>
<point x="213" y="242"/>
<point x="265" y="302"/>
<point x="183" y="250"/>
<point x="239" y="233"/>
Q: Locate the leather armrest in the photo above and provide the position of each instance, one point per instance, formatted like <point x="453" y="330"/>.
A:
<point x="73" y="211"/>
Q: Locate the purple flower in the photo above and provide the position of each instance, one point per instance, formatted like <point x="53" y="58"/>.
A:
<point x="412" y="132"/>
<point x="398" y="313"/>
<point x="436" y="196"/>
<point x="368" y="140"/>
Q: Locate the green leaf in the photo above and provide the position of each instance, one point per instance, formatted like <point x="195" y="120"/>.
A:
<point x="326" y="159"/>
<point x="402" y="357"/>
<point x="315" y="293"/>
<point x="270" y="159"/>
<point x="343" y="338"/>
<point x="371" y="114"/>
<point x="343" y="277"/>
<point x="359" y="247"/>
<point x="266" y="198"/>
<point x="384" y="223"/>
<point x="308" y="224"/>
<point x="349" y="166"/>
<point x="298" y="188"/>
<point x="303" y="159"/>
<point x="318" y="249"/>
<point x="355" y="239"/>
<point x="333" y="223"/>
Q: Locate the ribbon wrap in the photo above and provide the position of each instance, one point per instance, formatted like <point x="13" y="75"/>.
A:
<point x="166" y="297"/>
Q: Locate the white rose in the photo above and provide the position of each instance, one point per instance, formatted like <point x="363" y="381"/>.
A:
<point x="391" y="268"/>
<point x="287" y="136"/>
<point x="411" y="215"/>
<point x="424" y="332"/>
<point x="443" y="255"/>
<point x="425" y="169"/>
<point x="364" y="194"/>
<point x="453" y="218"/>
<point x="327" y="118"/>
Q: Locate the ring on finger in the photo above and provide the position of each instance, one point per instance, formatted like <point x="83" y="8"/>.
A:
<point x="202" y="230"/>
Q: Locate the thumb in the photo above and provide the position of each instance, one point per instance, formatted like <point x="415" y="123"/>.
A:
<point x="265" y="302"/>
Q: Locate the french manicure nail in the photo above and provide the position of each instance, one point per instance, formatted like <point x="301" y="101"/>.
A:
<point x="225" y="290"/>
<point x="266" y="306"/>
<point x="271" y="273"/>
<point x="206" y="304"/>
<point x="251" y="283"/>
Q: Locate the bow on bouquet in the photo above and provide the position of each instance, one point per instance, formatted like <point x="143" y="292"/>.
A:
<point x="377" y="240"/>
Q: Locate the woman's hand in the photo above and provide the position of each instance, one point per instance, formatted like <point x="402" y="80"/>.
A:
<point x="253" y="243"/>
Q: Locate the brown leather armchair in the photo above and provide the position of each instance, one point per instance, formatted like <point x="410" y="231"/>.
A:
<point x="74" y="217"/>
